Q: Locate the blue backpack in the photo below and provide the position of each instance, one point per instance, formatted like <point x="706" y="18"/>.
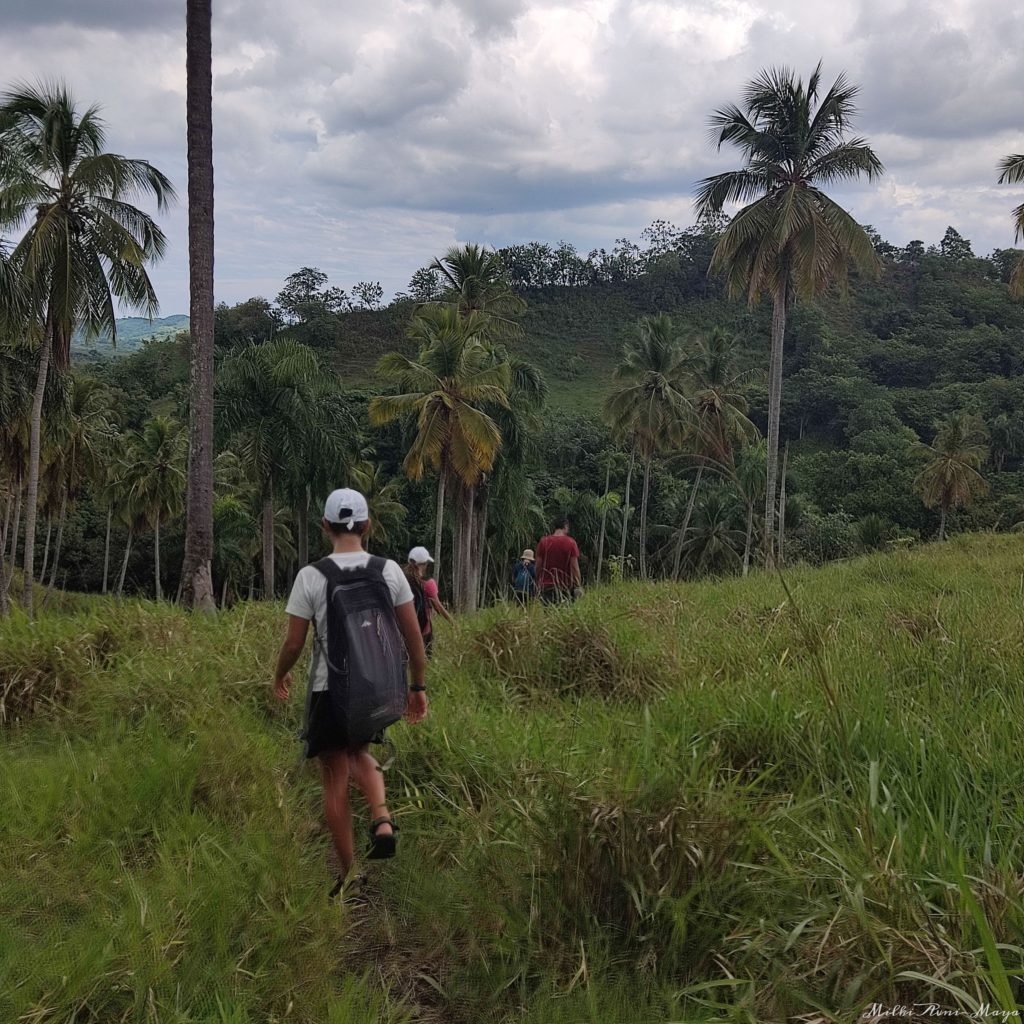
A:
<point x="522" y="578"/>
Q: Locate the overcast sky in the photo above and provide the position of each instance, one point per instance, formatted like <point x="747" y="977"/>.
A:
<point x="367" y="137"/>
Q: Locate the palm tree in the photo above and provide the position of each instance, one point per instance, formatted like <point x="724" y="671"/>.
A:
<point x="476" y="283"/>
<point x="750" y="480"/>
<point x="387" y="513"/>
<point x="157" y="475"/>
<point x="1006" y="436"/>
<point x="717" y="537"/>
<point x="720" y="420"/>
<point x="197" y="578"/>
<point x="951" y="477"/>
<point x="790" y="240"/>
<point x="651" y="400"/>
<point x="272" y="399"/>
<point x="80" y="443"/>
<point x="448" y="389"/>
<point x="85" y="244"/>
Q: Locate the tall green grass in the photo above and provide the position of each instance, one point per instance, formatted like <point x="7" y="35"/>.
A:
<point x="710" y="802"/>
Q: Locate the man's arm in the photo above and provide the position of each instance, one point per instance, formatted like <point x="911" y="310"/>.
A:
<point x="416" y="709"/>
<point x="291" y="649"/>
<point x="574" y="569"/>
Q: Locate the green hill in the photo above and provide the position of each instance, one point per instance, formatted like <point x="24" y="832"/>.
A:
<point x="132" y="333"/>
<point x="704" y="802"/>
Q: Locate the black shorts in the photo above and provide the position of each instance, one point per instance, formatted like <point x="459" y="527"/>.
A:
<point x="324" y="732"/>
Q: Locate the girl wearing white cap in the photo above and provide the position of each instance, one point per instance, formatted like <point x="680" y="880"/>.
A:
<point x="424" y="594"/>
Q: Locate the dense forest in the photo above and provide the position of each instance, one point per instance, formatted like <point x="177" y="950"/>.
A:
<point x="876" y="379"/>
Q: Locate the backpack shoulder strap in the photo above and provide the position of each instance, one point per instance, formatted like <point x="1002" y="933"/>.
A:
<point x="328" y="568"/>
<point x="376" y="564"/>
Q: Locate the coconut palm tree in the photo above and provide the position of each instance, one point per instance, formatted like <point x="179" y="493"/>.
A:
<point x="80" y="442"/>
<point x="267" y="400"/>
<point x="720" y="420"/>
<point x="1011" y="171"/>
<point x="387" y="513"/>
<point x="651" y="400"/>
<point x="475" y="280"/>
<point x="197" y="578"/>
<point x="951" y="477"/>
<point x="717" y="537"/>
<point x="85" y="242"/>
<point x="447" y="389"/>
<point x="791" y="240"/>
<point x="156" y="471"/>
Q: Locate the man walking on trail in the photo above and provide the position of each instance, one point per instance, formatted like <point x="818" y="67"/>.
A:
<point x="319" y="592"/>
<point x="558" y="564"/>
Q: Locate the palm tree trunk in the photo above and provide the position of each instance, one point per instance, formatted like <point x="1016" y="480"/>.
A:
<point x="15" y="528"/>
<point x="774" y="406"/>
<point x="604" y="520"/>
<point x="268" y="542"/>
<point x="46" y="547"/>
<point x="197" y="574"/>
<point x="782" y="508"/>
<point x="156" y="556"/>
<point x="124" y="564"/>
<point x="32" y="488"/>
<point x="482" y="552"/>
<point x="224" y="593"/>
<point x="439" y="524"/>
<point x="686" y="523"/>
<point x="106" y="547"/>
<point x="750" y="536"/>
<point x="643" y="517"/>
<point x="942" y="522"/>
<point x="60" y="537"/>
<point x="625" y="509"/>
<point x="8" y="504"/>
<point x="303" y="530"/>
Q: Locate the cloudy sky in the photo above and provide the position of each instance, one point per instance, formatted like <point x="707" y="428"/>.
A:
<point x="366" y="137"/>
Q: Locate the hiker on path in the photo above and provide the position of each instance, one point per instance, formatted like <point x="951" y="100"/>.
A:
<point x="558" y="564"/>
<point x="524" y="577"/>
<point x="354" y="688"/>
<point x="424" y="594"/>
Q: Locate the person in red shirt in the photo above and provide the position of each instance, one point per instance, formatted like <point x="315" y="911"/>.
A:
<point x="558" y="564"/>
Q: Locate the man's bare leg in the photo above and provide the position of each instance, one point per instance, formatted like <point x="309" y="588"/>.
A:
<point x="335" y="770"/>
<point x="368" y="777"/>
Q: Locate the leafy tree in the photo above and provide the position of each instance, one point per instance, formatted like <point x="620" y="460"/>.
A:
<point x="952" y="478"/>
<point x="307" y="296"/>
<point x="368" y="295"/>
<point x="247" y="323"/>
<point x="791" y="240"/>
<point x="85" y="243"/>
<point x="954" y="246"/>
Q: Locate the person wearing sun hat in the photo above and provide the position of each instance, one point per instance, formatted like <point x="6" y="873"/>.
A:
<point x="345" y="523"/>
<point x="524" y="577"/>
<point x="424" y="594"/>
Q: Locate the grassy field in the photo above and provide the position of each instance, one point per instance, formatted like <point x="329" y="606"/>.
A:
<point x="707" y="802"/>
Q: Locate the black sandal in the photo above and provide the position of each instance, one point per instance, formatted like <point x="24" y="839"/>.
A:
<point x="382" y="847"/>
<point x="351" y="889"/>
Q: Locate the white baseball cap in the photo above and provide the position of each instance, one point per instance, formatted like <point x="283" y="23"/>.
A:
<point x="346" y="507"/>
<point x="419" y="555"/>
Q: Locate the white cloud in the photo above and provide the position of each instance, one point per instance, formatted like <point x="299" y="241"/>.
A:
<point x="365" y="138"/>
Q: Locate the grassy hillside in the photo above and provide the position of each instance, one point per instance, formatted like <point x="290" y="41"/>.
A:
<point x="696" y="802"/>
<point x="132" y="332"/>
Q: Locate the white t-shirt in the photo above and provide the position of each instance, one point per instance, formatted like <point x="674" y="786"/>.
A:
<point x="308" y="600"/>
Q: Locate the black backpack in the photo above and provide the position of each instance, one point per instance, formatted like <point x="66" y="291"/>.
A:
<point x="419" y="602"/>
<point x="366" y="675"/>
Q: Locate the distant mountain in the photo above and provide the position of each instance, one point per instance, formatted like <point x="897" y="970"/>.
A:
<point x="132" y="332"/>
